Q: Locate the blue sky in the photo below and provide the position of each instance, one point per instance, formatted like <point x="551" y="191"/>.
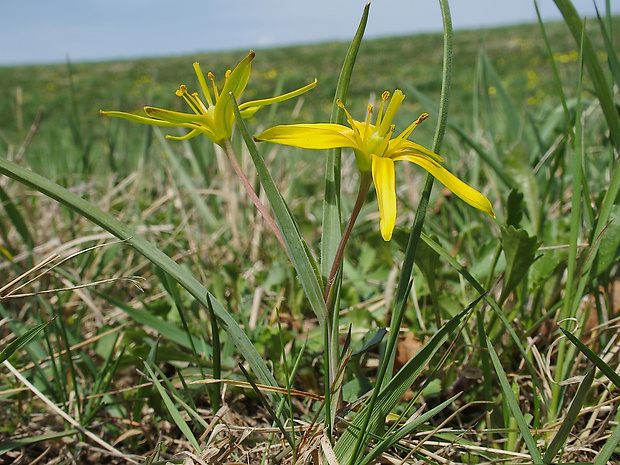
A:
<point x="49" y="31"/>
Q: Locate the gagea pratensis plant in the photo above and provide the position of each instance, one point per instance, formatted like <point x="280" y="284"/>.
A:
<point x="214" y="117"/>
<point x="375" y="153"/>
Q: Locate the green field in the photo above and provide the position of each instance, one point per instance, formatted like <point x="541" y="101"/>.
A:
<point x="133" y="337"/>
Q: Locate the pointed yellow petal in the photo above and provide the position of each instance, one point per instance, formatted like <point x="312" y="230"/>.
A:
<point x="178" y="118"/>
<point x="247" y="109"/>
<point x="137" y="118"/>
<point x="383" y="175"/>
<point x="462" y="190"/>
<point x="309" y="136"/>
<point x="399" y="147"/>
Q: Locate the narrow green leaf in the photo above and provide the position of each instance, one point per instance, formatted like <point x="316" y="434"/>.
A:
<point x="303" y="262"/>
<point x="394" y="390"/>
<point x="172" y="409"/>
<point x="590" y="57"/>
<point x="609" y="448"/>
<point x="22" y="340"/>
<point x="331" y="224"/>
<point x="513" y="404"/>
<point x="404" y="430"/>
<point x="599" y="362"/>
<point x="570" y="419"/>
<point x="494" y="306"/>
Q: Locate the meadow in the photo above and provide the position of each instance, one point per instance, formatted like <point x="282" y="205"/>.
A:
<point x="149" y="315"/>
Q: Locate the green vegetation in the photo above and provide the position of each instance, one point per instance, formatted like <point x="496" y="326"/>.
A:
<point x="508" y="346"/>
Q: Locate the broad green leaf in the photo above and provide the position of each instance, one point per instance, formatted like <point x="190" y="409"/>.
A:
<point x="519" y="250"/>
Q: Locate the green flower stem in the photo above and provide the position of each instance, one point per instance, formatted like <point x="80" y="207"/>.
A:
<point x="405" y="281"/>
<point x="365" y="182"/>
<point x="332" y="342"/>
<point x="230" y="153"/>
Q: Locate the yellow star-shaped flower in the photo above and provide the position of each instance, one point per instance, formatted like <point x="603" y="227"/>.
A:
<point x="375" y="153"/>
<point x="214" y="118"/>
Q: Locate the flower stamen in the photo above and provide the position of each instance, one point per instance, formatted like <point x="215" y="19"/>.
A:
<point x="215" y="92"/>
<point x="367" y="126"/>
<point x="189" y="99"/>
<point x="351" y="121"/>
<point x="385" y="96"/>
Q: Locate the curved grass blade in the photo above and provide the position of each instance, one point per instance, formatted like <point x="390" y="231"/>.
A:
<point x="571" y="417"/>
<point x="172" y="409"/>
<point x="332" y="229"/>
<point x="598" y="361"/>
<point x="402" y="432"/>
<point x="513" y="404"/>
<point x="152" y="253"/>
<point x="387" y="398"/>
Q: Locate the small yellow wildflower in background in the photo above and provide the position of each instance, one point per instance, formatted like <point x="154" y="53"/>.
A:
<point x="214" y="118"/>
<point x="375" y="153"/>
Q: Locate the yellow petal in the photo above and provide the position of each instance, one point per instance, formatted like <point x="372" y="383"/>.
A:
<point x="309" y="136"/>
<point x="383" y="176"/>
<point x="462" y="190"/>
<point x="398" y="147"/>
<point x="137" y="118"/>
<point x="247" y="109"/>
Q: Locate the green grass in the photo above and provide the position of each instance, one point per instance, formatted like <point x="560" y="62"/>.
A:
<point x="122" y="355"/>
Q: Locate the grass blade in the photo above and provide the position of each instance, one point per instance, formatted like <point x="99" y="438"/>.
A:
<point x="300" y="256"/>
<point x="513" y="404"/>
<point x="389" y="396"/>
<point x="152" y="253"/>
<point x="22" y="340"/>
<point x="172" y="409"/>
<point x="598" y="361"/>
<point x="571" y="417"/>
<point x="402" y="432"/>
<point x="590" y="58"/>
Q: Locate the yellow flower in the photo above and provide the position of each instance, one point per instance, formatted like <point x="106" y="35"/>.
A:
<point x="214" y="118"/>
<point x="375" y="153"/>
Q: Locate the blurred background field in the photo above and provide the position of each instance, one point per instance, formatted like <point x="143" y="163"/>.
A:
<point x="507" y="132"/>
